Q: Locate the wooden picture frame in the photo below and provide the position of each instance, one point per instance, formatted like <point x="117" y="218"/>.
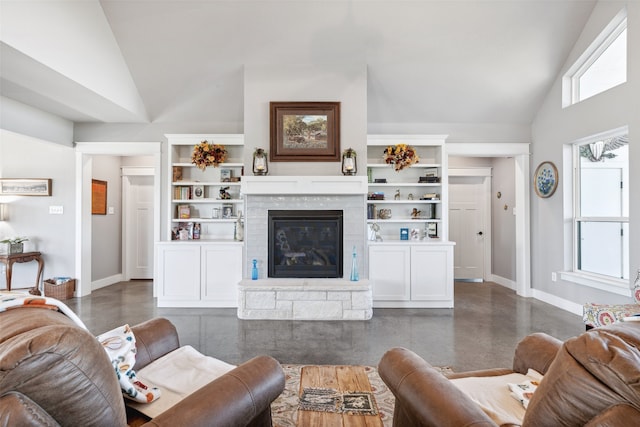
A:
<point x="304" y="131"/>
<point x="25" y="186"/>
<point x="98" y="197"/>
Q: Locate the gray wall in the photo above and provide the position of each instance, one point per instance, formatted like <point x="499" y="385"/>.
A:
<point x="503" y="221"/>
<point x="106" y="230"/>
<point x="553" y="128"/>
<point x="53" y="235"/>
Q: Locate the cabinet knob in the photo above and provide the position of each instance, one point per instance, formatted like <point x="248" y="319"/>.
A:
<point x="479" y="233"/>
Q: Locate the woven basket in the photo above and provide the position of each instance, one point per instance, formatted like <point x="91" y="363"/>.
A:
<point x="62" y="291"/>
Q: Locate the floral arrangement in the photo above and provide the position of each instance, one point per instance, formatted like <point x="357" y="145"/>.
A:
<point x="205" y="154"/>
<point x="15" y="240"/>
<point x="401" y="156"/>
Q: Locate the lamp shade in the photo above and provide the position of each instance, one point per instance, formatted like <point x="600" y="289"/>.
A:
<point x="349" y="163"/>
<point x="260" y="163"/>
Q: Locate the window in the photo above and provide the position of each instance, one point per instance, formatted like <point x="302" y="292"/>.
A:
<point x="601" y="206"/>
<point x="602" y="66"/>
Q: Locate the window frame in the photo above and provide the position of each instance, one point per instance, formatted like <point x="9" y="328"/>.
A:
<point x="575" y="275"/>
<point x="571" y="80"/>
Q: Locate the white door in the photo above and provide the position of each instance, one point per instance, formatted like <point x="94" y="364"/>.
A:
<point x="139" y="227"/>
<point x="466" y="226"/>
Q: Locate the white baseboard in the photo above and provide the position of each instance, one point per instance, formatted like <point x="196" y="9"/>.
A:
<point x="562" y="303"/>
<point x="106" y="281"/>
<point x="507" y="283"/>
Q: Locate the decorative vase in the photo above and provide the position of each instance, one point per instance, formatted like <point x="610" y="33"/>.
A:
<point x="16" y="248"/>
<point x="355" y="276"/>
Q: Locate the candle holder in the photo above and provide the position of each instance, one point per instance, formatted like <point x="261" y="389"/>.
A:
<point x="349" y="164"/>
<point x="260" y="164"/>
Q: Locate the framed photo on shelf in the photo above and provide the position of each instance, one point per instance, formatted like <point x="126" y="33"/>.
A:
<point x="225" y="175"/>
<point x="304" y="132"/>
<point x="198" y="192"/>
<point x="227" y="211"/>
<point x="184" y="211"/>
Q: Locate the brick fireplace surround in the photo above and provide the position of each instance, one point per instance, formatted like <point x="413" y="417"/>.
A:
<point x="305" y="299"/>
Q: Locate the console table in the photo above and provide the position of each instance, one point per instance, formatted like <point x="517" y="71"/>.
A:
<point x="10" y="259"/>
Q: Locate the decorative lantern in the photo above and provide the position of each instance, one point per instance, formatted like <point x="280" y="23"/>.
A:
<point x="260" y="164"/>
<point x="349" y="164"/>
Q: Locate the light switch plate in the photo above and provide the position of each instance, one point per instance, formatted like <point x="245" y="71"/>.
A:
<point x="56" y="210"/>
<point x="111" y="210"/>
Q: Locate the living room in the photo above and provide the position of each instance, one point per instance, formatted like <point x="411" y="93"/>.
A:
<point x="76" y="107"/>
<point x="50" y="150"/>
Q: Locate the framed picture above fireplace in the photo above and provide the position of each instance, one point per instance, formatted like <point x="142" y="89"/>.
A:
<point x="304" y="132"/>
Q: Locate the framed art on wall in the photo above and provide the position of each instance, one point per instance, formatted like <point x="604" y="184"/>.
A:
<point x="545" y="179"/>
<point x="25" y="186"/>
<point x="304" y="132"/>
<point x="98" y="197"/>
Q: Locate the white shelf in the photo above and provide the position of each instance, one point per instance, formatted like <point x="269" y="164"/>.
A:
<point x="215" y="183"/>
<point x="220" y="166"/>
<point x="196" y="201"/>
<point x="405" y="202"/>
<point x="211" y="220"/>
<point x="403" y="220"/>
<point x="405" y="184"/>
<point x="179" y="151"/>
<point x="416" y="165"/>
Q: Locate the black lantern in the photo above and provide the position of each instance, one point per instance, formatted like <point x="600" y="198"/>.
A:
<point x="349" y="164"/>
<point x="260" y="164"/>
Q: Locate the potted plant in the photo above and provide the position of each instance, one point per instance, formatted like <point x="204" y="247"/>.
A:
<point x="15" y="245"/>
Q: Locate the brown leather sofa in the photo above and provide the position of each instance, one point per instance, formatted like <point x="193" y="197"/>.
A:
<point x="590" y="380"/>
<point x="54" y="373"/>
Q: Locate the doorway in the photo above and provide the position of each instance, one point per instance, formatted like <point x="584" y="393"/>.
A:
<point x="469" y="223"/>
<point x="137" y="227"/>
<point x="521" y="204"/>
<point x="84" y="159"/>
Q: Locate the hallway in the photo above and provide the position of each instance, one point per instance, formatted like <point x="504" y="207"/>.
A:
<point x="480" y="332"/>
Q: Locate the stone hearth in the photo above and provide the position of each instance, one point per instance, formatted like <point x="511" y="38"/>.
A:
<point x="305" y="299"/>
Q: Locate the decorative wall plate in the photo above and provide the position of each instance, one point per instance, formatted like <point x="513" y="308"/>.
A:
<point x="545" y="179"/>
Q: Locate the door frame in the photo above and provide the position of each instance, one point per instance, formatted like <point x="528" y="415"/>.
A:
<point x="84" y="168"/>
<point x="128" y="171"/>
<point x="521" y="155"/>
<point x="482" y="172"/>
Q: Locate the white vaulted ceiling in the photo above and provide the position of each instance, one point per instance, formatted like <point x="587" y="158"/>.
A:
<point x="170" y="61"/>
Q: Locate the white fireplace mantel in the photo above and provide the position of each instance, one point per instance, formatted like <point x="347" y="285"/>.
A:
<point x="307" y="185"/>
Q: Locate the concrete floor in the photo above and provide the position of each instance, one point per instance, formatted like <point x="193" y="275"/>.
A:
<point x="480" y="332"/>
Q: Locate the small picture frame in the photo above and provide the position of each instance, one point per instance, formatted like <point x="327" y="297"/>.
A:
<point x="225" y="175"/>
<point x="197" y="192"/>
<point x="184" y="211"/>
<point x="432" y="230"/>
<point x="227" y="211"/>
<point x="404" y="234"/>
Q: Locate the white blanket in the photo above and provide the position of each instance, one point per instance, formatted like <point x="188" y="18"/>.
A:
<point x="178" y="374"/>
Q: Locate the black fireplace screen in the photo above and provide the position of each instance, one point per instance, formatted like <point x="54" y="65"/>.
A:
<point x="305" y="243"/>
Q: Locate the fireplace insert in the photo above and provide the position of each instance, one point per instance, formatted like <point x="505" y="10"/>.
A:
<point x="305" y="243"/>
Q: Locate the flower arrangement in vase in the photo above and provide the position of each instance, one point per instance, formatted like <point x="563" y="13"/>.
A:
<point x="15" y="245"/>
<point x="400" y="156"/>
<point x="205" y="154"/>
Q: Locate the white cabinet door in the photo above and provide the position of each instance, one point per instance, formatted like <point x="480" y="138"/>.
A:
<point x="389" y="272"/>
<point x="221" y="273"/>
<point x="431" y="273"/>
<point x="178" y="272"/>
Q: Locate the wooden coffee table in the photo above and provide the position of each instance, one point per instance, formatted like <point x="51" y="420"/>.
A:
<point x="343" y="379"/>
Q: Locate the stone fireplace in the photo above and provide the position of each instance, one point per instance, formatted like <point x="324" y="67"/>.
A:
<point x="312" y="297"/>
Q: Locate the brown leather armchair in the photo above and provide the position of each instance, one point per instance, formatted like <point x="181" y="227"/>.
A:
<point x="590" y="380"/>
<point x="54" y="373"/>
